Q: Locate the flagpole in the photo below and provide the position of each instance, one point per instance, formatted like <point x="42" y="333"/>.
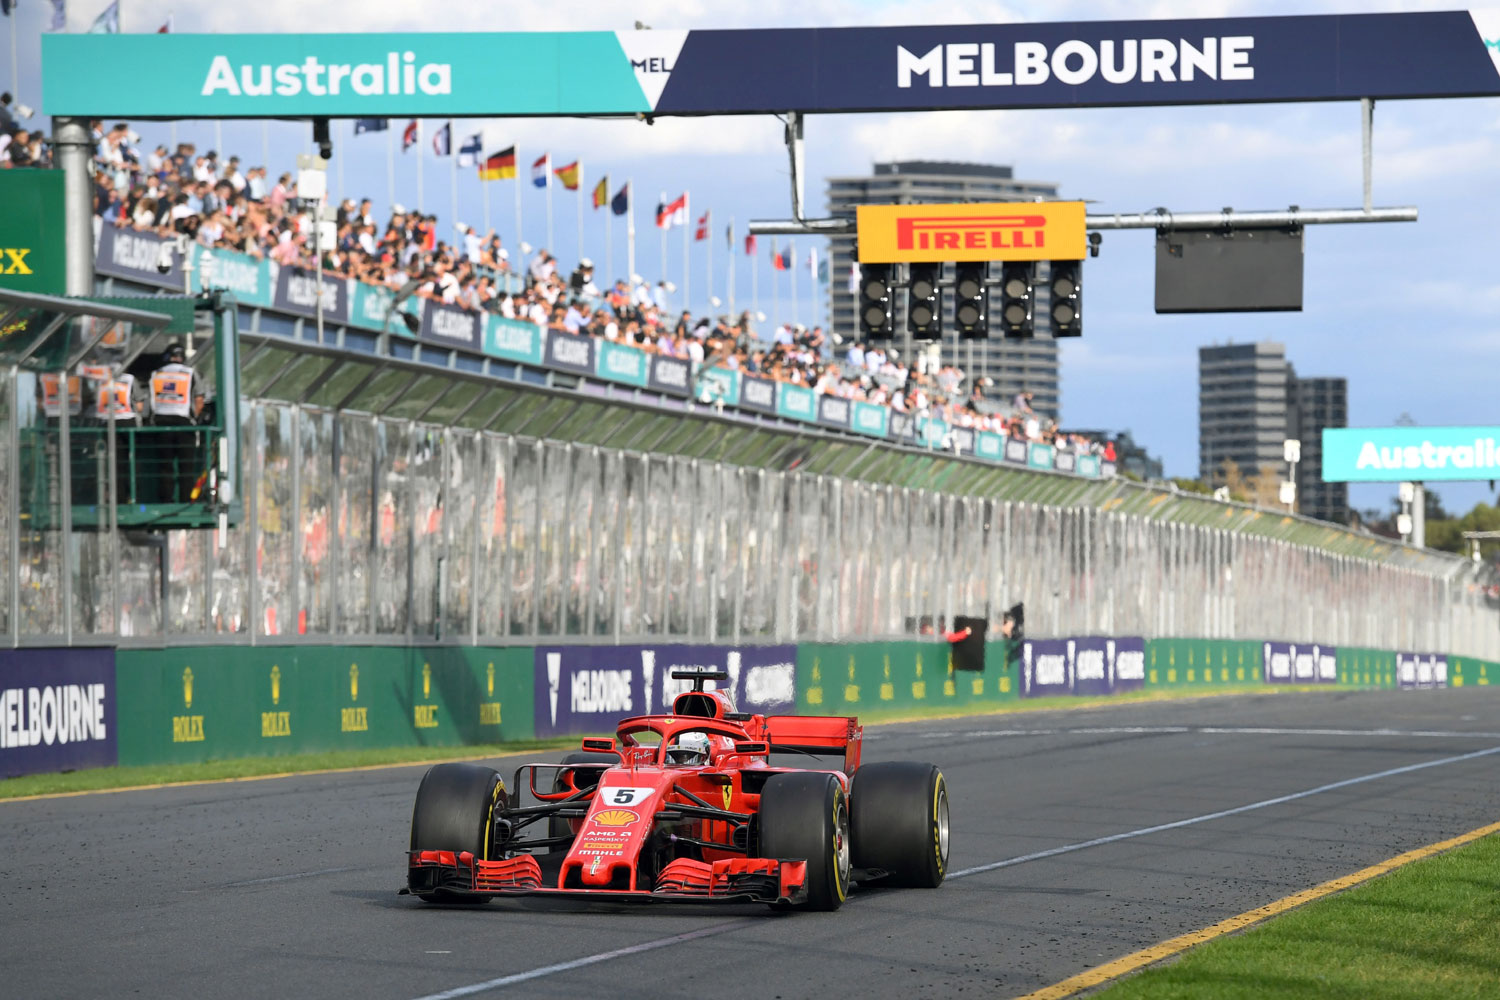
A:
<point x="708" y="237"/>
<point x="687" y="272"/>
<point x="792" y="246"/>
<point x="775" y="286"/>
<point x="484" y="190"/>
<point x="519" y="239"/>
<point x="15" y="65"/>
<point x="340" y="163"/>
<point x="630" y="231"/>
<point x="731" y="268"/>
<point x="548" y="167"/>
<point x="661" y="238"/>
<point x="390" y="166"/>
<point x="419" y="166"/>
<point x="453" y="174"/>
<point x="580" y="209"/>
<point x="609" y="240"/>
<point x="754" y="283"/>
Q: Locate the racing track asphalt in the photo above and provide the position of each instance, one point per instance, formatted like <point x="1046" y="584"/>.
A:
<point x="287" y="887"/>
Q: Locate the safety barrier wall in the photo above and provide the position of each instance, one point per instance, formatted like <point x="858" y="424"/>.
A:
<point x="73" y="708"/>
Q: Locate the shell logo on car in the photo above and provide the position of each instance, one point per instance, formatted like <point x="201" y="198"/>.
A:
<point x="616" y="817"/>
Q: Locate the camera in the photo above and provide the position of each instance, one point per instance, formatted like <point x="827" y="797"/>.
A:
<point x="164" y="258"/>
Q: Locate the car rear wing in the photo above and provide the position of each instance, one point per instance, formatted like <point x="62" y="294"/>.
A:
<point x="817" y="734"/>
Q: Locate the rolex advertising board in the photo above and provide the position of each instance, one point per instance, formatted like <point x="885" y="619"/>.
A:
<point x="32" y="257"/>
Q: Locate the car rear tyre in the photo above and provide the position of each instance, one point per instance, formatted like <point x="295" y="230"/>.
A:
<point x="454" y="812"/>
<point x="557" y="826"/>
<point x="806" y="815"/>
<point x="898" y="821"/>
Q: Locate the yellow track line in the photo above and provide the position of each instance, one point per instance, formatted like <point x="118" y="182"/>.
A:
<point x="1130" y="963"/>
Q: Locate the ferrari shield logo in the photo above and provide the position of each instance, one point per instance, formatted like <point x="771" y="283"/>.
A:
<point x="728" y="793"/>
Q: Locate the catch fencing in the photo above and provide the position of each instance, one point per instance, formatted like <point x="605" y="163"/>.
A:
<point x="383" y="530"/>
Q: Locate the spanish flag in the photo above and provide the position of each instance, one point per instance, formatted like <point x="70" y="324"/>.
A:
<point x="601" y="192"/>
<point x="568" y="174"/>
<point x="500" y="167"/>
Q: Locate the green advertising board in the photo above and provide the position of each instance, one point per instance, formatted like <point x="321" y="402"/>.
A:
<point x="876" y="679"/>
<point x="190" y="704"/>
<point x="1421" y="454"/>
<point x="33" y="251"/>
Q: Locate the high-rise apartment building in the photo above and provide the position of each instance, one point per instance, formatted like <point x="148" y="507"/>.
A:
<point x="1320" y="403"/>
<point x="1250" y="401"/>
<point x="1242" y="408"/>
<point x="1014" y="365"/>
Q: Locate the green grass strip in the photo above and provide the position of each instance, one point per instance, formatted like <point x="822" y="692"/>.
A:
<point x="1428" y="930"/>
<point x="255" y="767"/>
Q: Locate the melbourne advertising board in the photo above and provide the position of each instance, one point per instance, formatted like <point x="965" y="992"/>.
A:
<point x="666" y="72"/>
<point x="1419" y="454"/>
<point x="588" y="689"/>
<point x="57" y="710"/>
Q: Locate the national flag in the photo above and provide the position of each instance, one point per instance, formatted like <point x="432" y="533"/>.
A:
<point x="702" y="231"/>
<point x="749" y="244"/>
<point x="601" y="192"/>
<point x="568" y="174"/>
<point x="363" y="125"/>
<point x="469" y="152"/>
<point x="672" y="213"/>
<point x="107" y="23"/>
<point x="442" y="140"/>
<point x="620" y="204"/>
<point x="812" y="262"/>
<point x="59" y="16"/>
<point x="409" y="136"/>
<point x="729" y="237"/>
<point x="782" y="261"/>
<point x="499" y="167"/>
<point x="5" y="8"/>
<point x="166" y="29"/>
<point x="540" y="175"/>
<point x="854" y="278"/>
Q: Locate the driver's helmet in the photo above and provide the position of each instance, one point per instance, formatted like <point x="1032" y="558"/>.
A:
<point x="691" y="748"/>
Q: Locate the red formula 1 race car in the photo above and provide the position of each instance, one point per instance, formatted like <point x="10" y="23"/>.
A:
<point x="687" y="807"/>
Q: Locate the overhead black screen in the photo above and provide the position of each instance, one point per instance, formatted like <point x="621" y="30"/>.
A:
<point x="1250" y="270"/>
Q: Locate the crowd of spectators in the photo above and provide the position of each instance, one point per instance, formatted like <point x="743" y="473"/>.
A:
<point x="221" y="203"/>
<point x="20" y="145"/>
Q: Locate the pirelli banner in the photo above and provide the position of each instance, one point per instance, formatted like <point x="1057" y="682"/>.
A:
<point x="903" y="234"/>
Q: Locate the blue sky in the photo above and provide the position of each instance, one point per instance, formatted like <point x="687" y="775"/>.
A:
<point x="1410" y="313"/>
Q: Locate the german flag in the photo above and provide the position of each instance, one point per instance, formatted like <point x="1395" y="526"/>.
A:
<point x="500" y="167"/>
<point x="601" y="192"/>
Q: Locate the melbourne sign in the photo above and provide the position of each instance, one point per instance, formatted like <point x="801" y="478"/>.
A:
<point x="1052" y="230"/>
<point x="587" y="689"/>
<point x="673" y="72"/>
<point x="57" y="710"/>
<point x="1422" y="454"/>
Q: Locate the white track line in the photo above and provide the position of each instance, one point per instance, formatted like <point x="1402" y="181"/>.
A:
<point x="603" y="956"/>
<point x="1218" y="730"/>
<point x="724" y="928"/>
<point x="1264" y="803"/>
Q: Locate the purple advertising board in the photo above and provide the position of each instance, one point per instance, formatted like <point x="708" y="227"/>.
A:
<point x="1421" y="670"/>
<point x="1088" y="665"/>
<point x="1125" y="660"/>
<point x="1291" y="663"/>
<point x="1045" y="669"/>
<point x="57" y="710"/>
<point x="588" y="689"/>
